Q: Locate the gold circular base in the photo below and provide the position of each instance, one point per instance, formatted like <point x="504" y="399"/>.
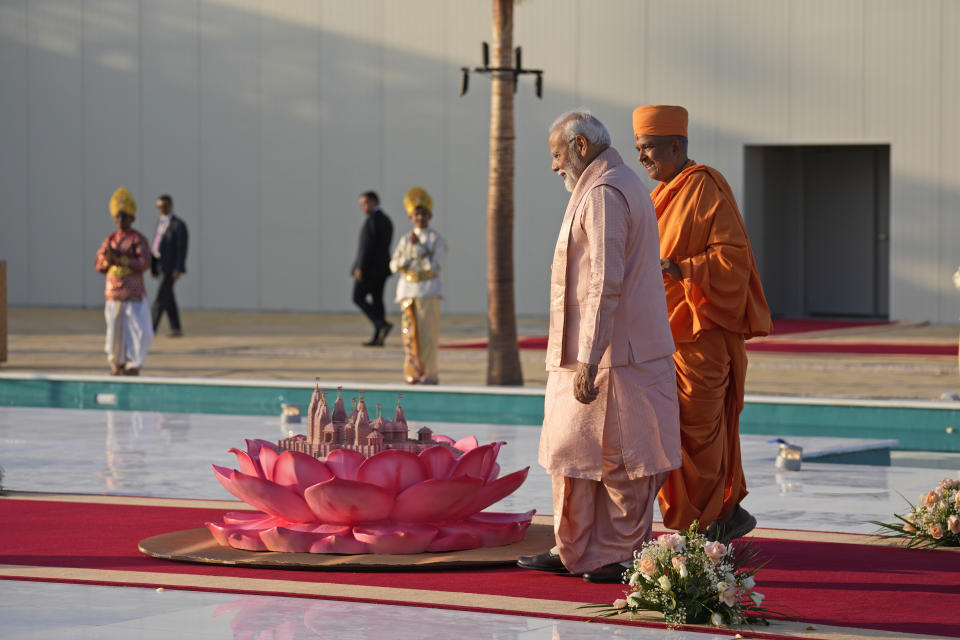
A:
<point x="198" y="545"/>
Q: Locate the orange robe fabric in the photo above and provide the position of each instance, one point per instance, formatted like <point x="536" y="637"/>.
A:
<point x="714" y="308"/>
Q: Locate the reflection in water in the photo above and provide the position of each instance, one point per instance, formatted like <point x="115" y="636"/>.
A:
<point x="132" y="437"/>
<point x="275" y="618"/>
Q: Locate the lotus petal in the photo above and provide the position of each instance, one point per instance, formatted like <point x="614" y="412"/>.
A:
<point x="348" y="501"/>
<point x="288" y="540"/>
<point x="438" y="460"/>
<point x="268" y="460"/>
<point x="439" y="437"/>
<point x="434" y="500"/>
<point x="494" y="472"/>
<point x="267" y="496"/>
<point x="394" y="470"/>
<point x="247" y="465"/>
<point x="493" y="492"/>
<point x="246" y="540"/>
<point x="488" y="534"/>
<point x="219" y="532"/>
<point x="454" y="540"/>
<point x="344" y="463"/>
<point x="500" y="518"/>
<point x="254" y="445"/>
<point x="396" y="538"/>
<point x="477" y="463"/>
<point x="298" y="471"/>
<point x="251" y="519"/>
<point x="466" y="444"/>
<point x="340" y="544"/>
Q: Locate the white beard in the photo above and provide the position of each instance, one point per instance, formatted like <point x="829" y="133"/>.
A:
<point x="577" y="167"/>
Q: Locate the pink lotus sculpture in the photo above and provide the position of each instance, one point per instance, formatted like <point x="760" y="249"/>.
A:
<point x="394" y="501"/>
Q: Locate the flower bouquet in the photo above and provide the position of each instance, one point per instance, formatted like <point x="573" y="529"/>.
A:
<point x="692" y="581"/>
<point x="934" y="522"/>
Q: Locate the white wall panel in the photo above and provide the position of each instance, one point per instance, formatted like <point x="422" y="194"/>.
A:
<point x="539" y="196"/>
<point x="111" y="127"/>
<point x="462" y="220"/>
<point x="266" y="120"/>
<point x="57" y="257"/>
<point x="416" y="81"/>
<point x="229" y="157"/>
<point x="682" y="45"/>
<point x="170" y="127"/>
<point x="826" y="46"/>
<point x="903" y="106"/>
<point x="351" y="145"/>
<point x="949" y="165"/>
<point x="290" y="157"/>
<point x="14" y="192"/>
<point x="752" y="82"/>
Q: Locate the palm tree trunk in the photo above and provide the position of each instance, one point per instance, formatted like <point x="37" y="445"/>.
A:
<point x="503" y="356"/>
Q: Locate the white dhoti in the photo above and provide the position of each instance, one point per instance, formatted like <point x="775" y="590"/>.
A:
<point x="129" y="332"/>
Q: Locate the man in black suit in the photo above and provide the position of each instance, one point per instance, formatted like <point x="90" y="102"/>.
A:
<point x="372" y="266"/>
<point x="169" y="260"/>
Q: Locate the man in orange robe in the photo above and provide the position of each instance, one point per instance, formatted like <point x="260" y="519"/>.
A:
<point x="715" y="302"/>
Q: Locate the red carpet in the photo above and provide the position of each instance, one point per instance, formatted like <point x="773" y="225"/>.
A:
<point x="787" y="326"/>
<point x="853" y="585"/>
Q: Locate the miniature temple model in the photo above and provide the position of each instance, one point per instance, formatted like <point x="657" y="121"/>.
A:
<point x="328" y="431"/>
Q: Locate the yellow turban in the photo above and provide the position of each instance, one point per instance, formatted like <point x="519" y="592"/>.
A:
<point x="122" y="200"/>
<point x="417" y="197"/>
<point x="660" y="120"/>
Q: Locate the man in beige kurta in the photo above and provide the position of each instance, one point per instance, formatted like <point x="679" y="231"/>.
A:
<point x="611" y="429"/>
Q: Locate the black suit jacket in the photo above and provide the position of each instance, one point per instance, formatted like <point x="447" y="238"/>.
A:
<point x="173" y="249"/>
<point x="373" y="254"/>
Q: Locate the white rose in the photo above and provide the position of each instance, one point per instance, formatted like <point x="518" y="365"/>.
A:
<point x="722" y="586"/>
<point x="664" y="583"/>
<point x="757" y="597"/>
<point x="683" y="571"/>
<point x="716" y="620"/>
<point x="748" y="583"/>
<point x="634" y="579"/>
<point x="634" y="599"/>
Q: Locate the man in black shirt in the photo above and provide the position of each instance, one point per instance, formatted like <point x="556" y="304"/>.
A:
<point x="372" y="266"/>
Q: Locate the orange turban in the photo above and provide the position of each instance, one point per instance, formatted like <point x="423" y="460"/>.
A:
<point x="417" y="197"/>
<point x="122" y="200"/>
<point x="660" y="120"/>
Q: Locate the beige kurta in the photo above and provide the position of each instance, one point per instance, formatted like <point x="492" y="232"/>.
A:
<point x="607" y="307"/>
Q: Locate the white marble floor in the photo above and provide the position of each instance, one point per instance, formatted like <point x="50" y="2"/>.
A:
<point x="169" y="455"/>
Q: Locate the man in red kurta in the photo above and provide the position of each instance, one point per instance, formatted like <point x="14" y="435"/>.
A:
<point x="123" y="257"/>
<point x="715" y="302"/>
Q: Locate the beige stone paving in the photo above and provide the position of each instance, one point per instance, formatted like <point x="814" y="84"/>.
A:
<point x="306" y="345"/>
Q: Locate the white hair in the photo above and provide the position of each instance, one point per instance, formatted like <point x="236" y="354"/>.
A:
<point x="581" y="122"/>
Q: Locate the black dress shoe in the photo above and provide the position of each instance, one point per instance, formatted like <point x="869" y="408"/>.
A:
<point x="545" y="561"/>
<point x="737" y="524"/>
<point x="382" y="333"/>
<point x="608" y="573"/>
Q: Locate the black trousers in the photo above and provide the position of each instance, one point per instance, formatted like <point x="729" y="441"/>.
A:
<point x="165" y="301"/>
<point x="373" y="288"/>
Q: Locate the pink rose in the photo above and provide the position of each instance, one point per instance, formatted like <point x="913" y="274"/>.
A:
<point x="729" y="596"/>
<point x="909" y="528"/>
<point x="929" y="499"/>
<point x="671" y="541"/>
<point x="953" y="523"/>
<point x="936" y="531"/>
<point x="680" y="561"/>
<point x="715" y="551"/>
<point x="648" y="566"/>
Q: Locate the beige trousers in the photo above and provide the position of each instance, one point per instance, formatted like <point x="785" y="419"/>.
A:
<point x="597" y="523"/>
<point x="423" y="328"/>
